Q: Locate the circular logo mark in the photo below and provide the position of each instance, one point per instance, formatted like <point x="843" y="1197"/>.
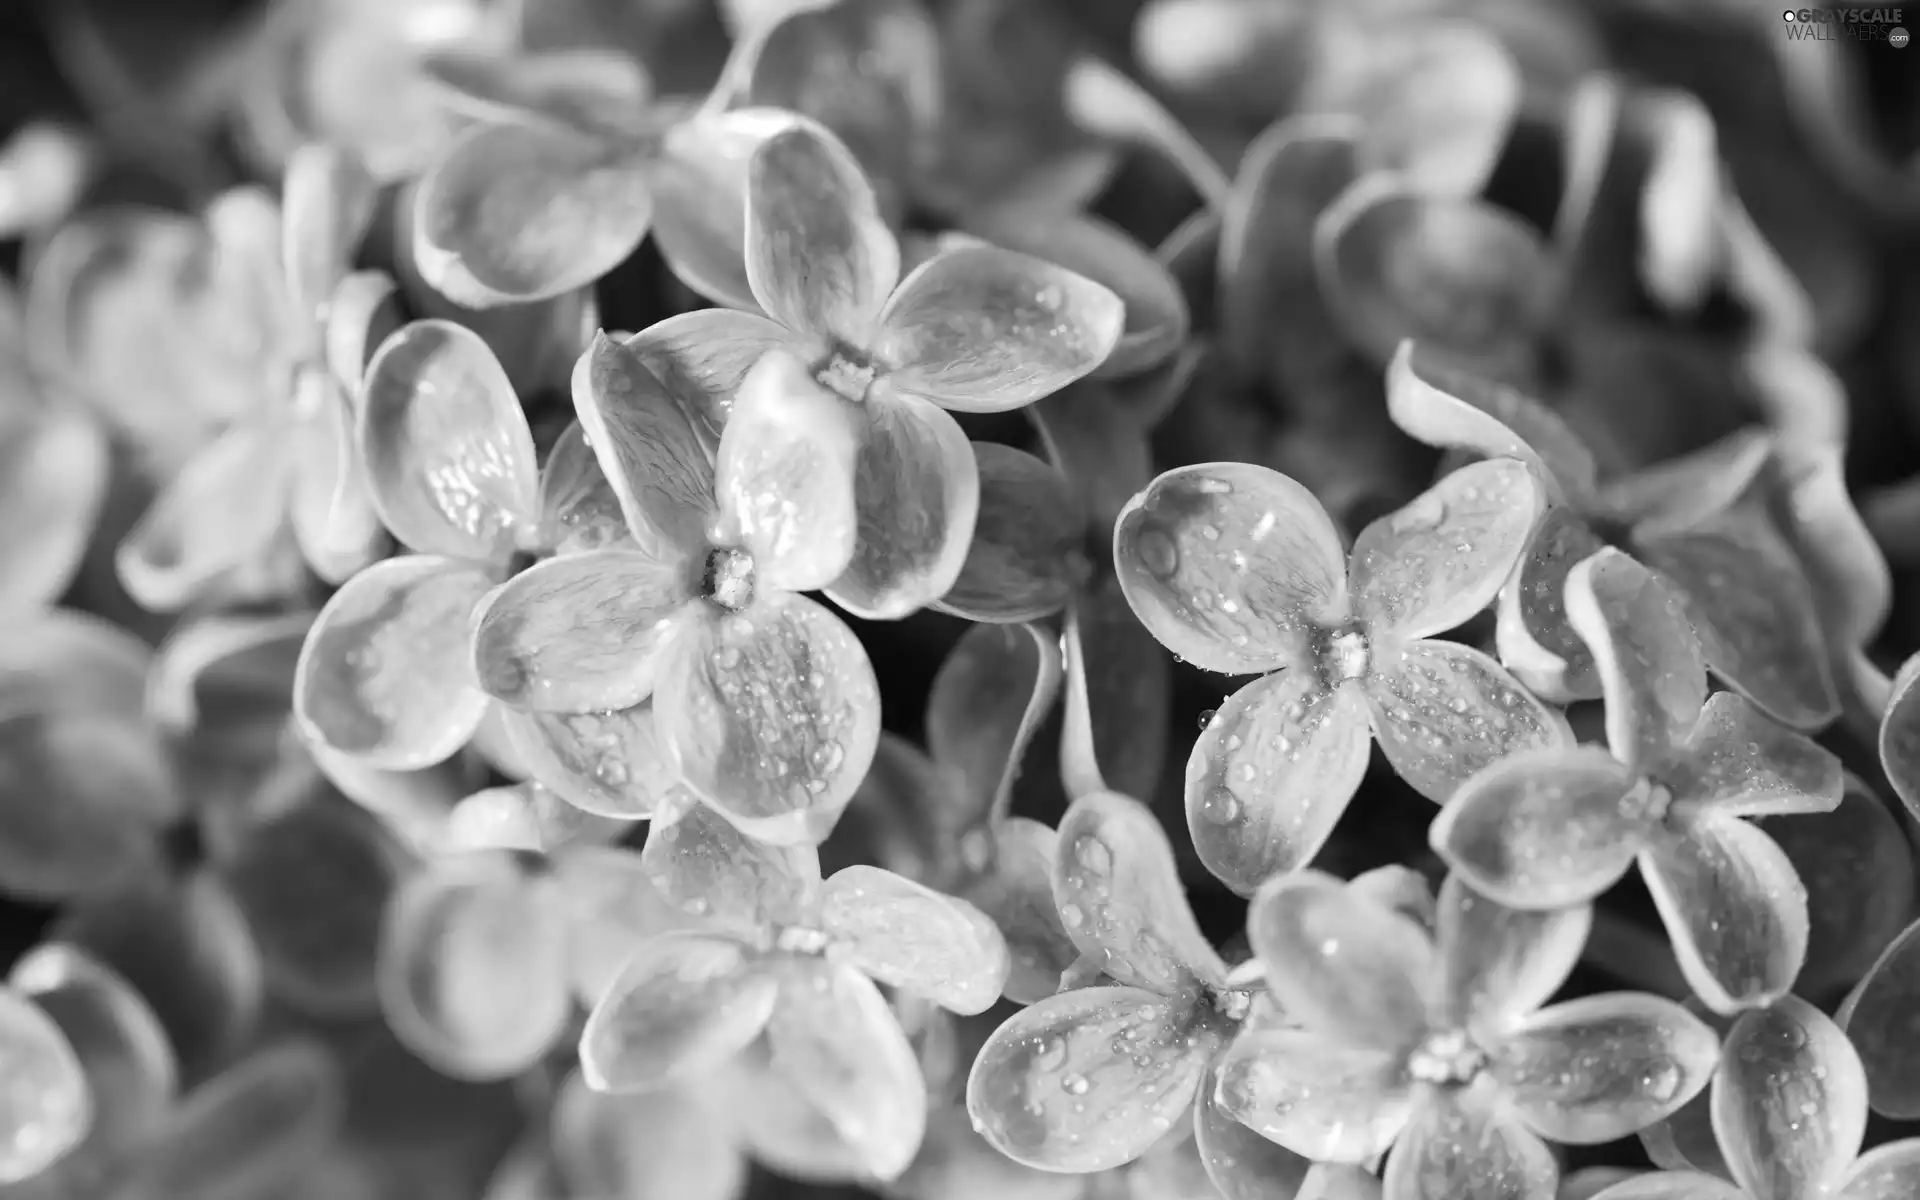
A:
<point x="1897" y="38"/>
<point x="1787" y="15"/>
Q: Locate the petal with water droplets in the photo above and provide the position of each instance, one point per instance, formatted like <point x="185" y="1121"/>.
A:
<point x="1320" y="1098"/>
<point x="699" y="184"/>
<point x="703" y="357"/>
<point x="1338" y="963"/>
<point x="1018" y="894"/>
<point x="1272" y="773"/>
<point x="1648" y="659"/>
<point x="1740" y="762"/>
<point x="581" y="632"/>
<point x="1789" y="1100"/>
<point x="1020" y="565"/>
<point x="917" y="491"/>
<point x="385" y="674"/>
<point x="1467" y="1142"/>
<point x="607" y="762"/>
<point x="1535" y="640"/>
<point x="49" y="1102"/>
<point x="1877" y="1018"/>
<point x="1439" y="560"/>
<point x="1890" y="1171"/>
<point x="771" y="715"/>
<point x="1734" y="908"/>
<point x="786" y="475"/>
<point x="1241" y="1164"/>
<point x="820" y="257"/>
<point x="1088" y="1079"/>
<point x="685" y="1003"/>
<point x="982" y="329"/>
<point x="914" y="939"/>
<point x="1602" y="1067"/>
<point x="1444" y="712"/>
<point x="706" y="868"/>
<point x="1122" y="901"/>
<point x="1544" y="828"/>
<point x="579" y="510"/>
<point x="448" y="452"/>
<point x="1232" y="566"/>
<point x="1498" y="964"/>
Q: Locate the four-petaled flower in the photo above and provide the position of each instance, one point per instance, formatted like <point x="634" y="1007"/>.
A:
<point x="1438" y="1047"/>
<point x="1559" y="826"/>
<point x="1236" y="568"/>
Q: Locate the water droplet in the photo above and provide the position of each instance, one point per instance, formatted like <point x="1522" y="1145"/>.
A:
<point x="1158" y="552"/>
<point x="1072" y="917"/>
<point x="1220" y="806"/>
<point x="1075" y="1084"/>
<point x="1206" y="717"/>
<point x="1093" y="854"/>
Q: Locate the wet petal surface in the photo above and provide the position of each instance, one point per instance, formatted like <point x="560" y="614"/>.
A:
<point x="1740" y="762"/>
<point x="1324" y="1100"/>
<point x="1789" y="1100"/>
<point x="1735" y="909"/>
<point x="1019" y="565"/>
<point x="1646" y="654"/>
<point x="607" y="762"/>
<point x="1340" y="964"/>
<point x="48" y="1104"/>
<point x="685" y="1003"/>
<point x="707" y="869"/>
<point x="914" y="939"/>
<point x="1467" y="1143"/>
<point x="1499" y="964"/>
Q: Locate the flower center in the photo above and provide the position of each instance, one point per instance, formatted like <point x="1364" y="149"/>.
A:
<point x="800" y="939"/>
<point x="1345" y="655"/>
<point x="845" y="372"/>
<point x="1652" y="799"/>
<point x="1233" y="1003"/>
<point x="1447" y="1058"/>
<point x="728" y="581"/>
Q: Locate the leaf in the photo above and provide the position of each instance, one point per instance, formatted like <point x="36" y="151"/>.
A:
<point x="1252" y="596"/>
<point x="50" y="1104"/>
<point x="1339" y="964"/>
<point x="1021" y="564"/>
<point x="1734" y="908"/>
<point x="1647" y="656"/>
<point x="914" y="939"/>
<point x="1321" y="1098"/>
<point x="448" y="452"/>
<point x="1466" y="1139"/>
<point x="1498" y="964"/>
<point x="1789" y="1100"/>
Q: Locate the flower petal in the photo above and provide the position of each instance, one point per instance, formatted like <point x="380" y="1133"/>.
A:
<point x="982" y="329"/>
<point x="1681" y="492"/>
<point x="1544" y="828"/>
<point x="647" y="444"/>
<point x="254" y="1129"/>
<point x="1232" y="566"/>
<point x="605" y="762"/>
<point x="917" y="489"/>
<point x="1340" y="964"/>
<point x="820" y="257"/>
<point x="1877" y="1017"/>
<point x="914" y="939"/>
<point x="1443" y="712"/>
<point x="772" y="717"/>
<point x="1648" y="658"/>
<point x="836" y="1041"/>
<point x="1119" y="686"/>
<point x="329" y="201"/>
<point x="1889" y="1171"/>
<point x="1272" y="773"/>
<point x="665" y="1145"/>
<point x="331" y="510"/>
<point x="1018" y="894"/>
<point x="526" y="816"/>
<point x="218" y="517"/>
<point x="1098" y="443"/>
<point x="1467" y="1143"/>
<point x="519" y="212"/>
<point x="1734" y="908"/>
<point x="1669" y="1185"/>
<point x="707" y="869"/>
<point x="1535" y="640"/>
<point x="1899" y="741"/>
<point x="988" y="699"/>
<point x="579" y="510"/>
<point x="447" y="449"/>
<point x="1603" y="1067"/>
<point x="53" y="479"/>
<point x="1442" y="558"/>
<point x="50" y="1103"/>
<point x="385" y="675"/>
<point x="777" y="1125"/>
<point x="1020" y="564"/>
<point x="473" y="968"/>
<point x="684" y="1005"/>
<point x="1241" y="1164"/>
<point x="1740" y="762"/>
<point x="1049" y="1089"/>
<point x="785" y="475"/>
<point x="699" y="184"/>
<point x="1459" y="276"/>
<point x="581" y="632"/>
<point x="1789" y="1100"/>
<point x="1122" y="901"/>
<point x="703" y="357"/>
<point x="1499" y="964"/>
<point x="1320" y="1098"/>
<point x="612" y="908"/>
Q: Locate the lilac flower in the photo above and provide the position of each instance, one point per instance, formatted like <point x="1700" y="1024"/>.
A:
<point x="677" y="1142"/>
<point x="975" y="329"/>
<point x="386" y="673"/>
<point x="50" y="1100"/>
<point x="1701" y="521"/>
<point x="1789" y="1113"/>
<point x="1438" y="1047"/>
<point x="1553" y="827"/>
<point x="1238" y="569"/>
<point x="797" y="958"/>
<point x="761" y="701"/>
<point x="941" y="816"/>
<point x="1878" y="1019"/>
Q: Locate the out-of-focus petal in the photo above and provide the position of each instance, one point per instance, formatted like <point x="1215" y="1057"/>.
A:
<point x="914" y="939"/>
<point x="1679" y="202"/>
<point x="1645" y="651"/>
<point x="917" y="490"/>
<point x="699" y="183"/>
<point x="1050" y="1091"/>
<point x="219" y="516"/>
<point x="1019" y="566"/>
<point x="665" y="1145"/>
<point x="252" y="1130"/>
<point x="1443" y="712"/>
<point x="774" y="715"/>
<point x="1098" y="443"/>
<point x="1889" y="1171"/>
<point x="1677" y="494"/>
<point x="1671" y="1185"/>
<point x="1232" y="566"/>
<point x="1534" y="638"/>
<point x="1439" y="560"/>
<point x="1467" y="1142"/>
<point x="362" y="313"/>
<point x="1122" y="901"/>
<point x="820" y="257"/>
<point x="1735" y="909"/>
<point x="685" y="1003"/>
<point x="1789" y="1100"/>
<point x="1877" y="1016"/>
<point x="605" y="762"/>
<point x="65" y="659"/>
<point x="1271" y="775"/>
<point x="331" y="509"/>
<point x="1340" y="964"/>
<point x="1018" y="895"/>
<point x="579" y="510"/>
<point x="1498" y="964"/>
<point x="1459" y="276"/>
<point x="328" y="199"/>
<point x="1339" y="1181"/>
<point x="1119" y="684"/>
<point x="1900" y="735"/>
<point x="982" y="329"/>
<point x="612" y="909"/>
<point x="526" y="816"/>
<point x="386" y="675"/>
<point x="1241" y="1164"/>
<point x="988" y="699"/>
<point x="473" y="967"/>
<point x="1320" y="1098"/>
<point x="1739" y="762"/>
<point x="785" y="475"/>
<point x="50" y="1102"/>
<point x="588" y="90"/>
<point x="1603" y="1067"/>
<point x="1544" y="828"/>
<point x="520" y="212"/>
<point x="448" y="452"/>
<point x="581" y="632"/>
<point x="53" y="478"/>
